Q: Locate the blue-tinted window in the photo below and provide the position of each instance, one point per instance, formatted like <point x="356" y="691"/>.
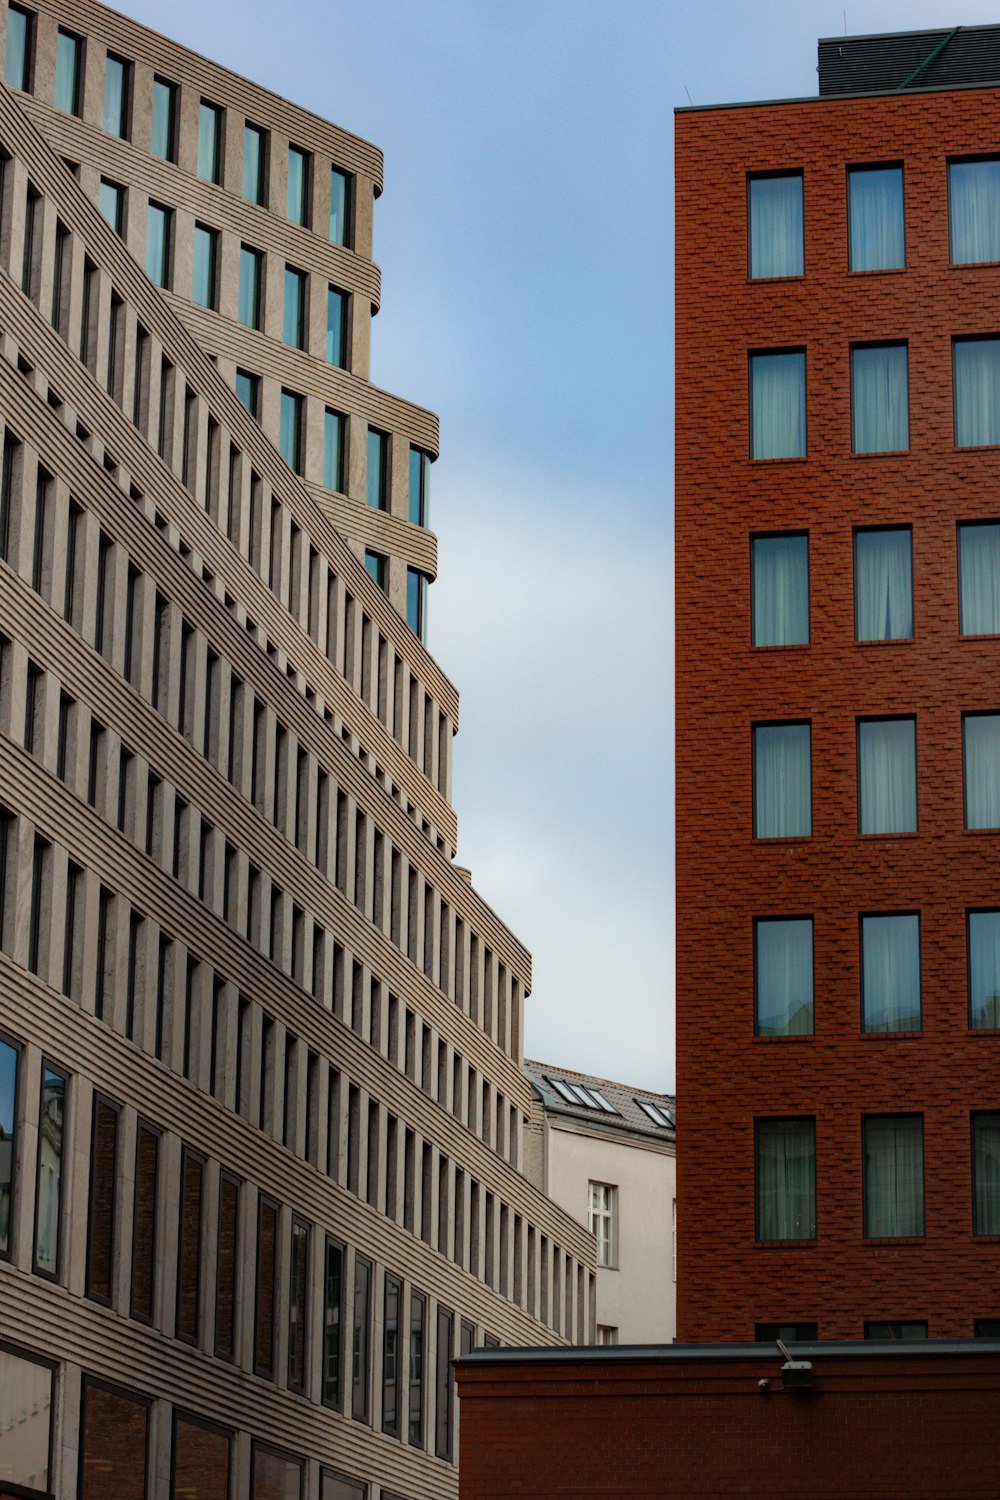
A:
<point x="111" y="201"/>
<point x="336" y="327"/>
<point x="375" y="564"/>
<point x="8" y="1122"/>
<point x="782" y="781"/>
<point x="203" y="288"/>
<point x="786" y="1179"/>
<point x="248" y="390"/>
<point x="163" y="133"/>
<point x="976" y="392"/>
<point x="377" y="491"/>
<point x="883" y="584"/>
<point x="783" y="976"/>
<point x="248" y="307"/>
<point x="333" y="450"/>
<point x="20" y="34"/>
<point x="69" y="52"/>
<point x="780" y="590"/>
<point x="339" y="207"/>
<point x="158" y="223"/>
<point x="880" y="398"/>
<point x="778" y="404"/>
<point x="254" y="159"/>
<point x="986" y="1173"/>
<point x="298" y="185"/>
<point x="979" y="578"/>
<point x="776" y="247"/>
<point x="290" y="430"/>
<point x="890" y="972"/>
<point x="875" y="204"/>
<point x="420" y="465"/>
<point x="893" y="1176"/>
<point x="416" y="602"/>
<point x="116" y="80"/>
<point x="974" y="211"/>
<point x="293" y="322"/>
<point x="209" y="141"/>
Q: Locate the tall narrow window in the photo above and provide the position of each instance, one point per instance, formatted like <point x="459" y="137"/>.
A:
<point x="333" y="450"/>
<point x="336" y="327"/>
<point x="290" y="430"/>
<point x="298" y="1307"/>
<point x="416" y="602"/>
<point x="103" y="1181"/>
<point x="48" y="1199"/>
<point x="20" y="38"/>
<point x="783" y="974"/>
<point x="228" y="1259"/>
<point x="778" y="404"/>
<point x="880" y="412"/>
<point x="887" y="776"/>
<point x="69" y="55"/>
<point x="977" y="392"/>
<point x="776" y="247"/>
<point x="339" y="207"/>
<point x="266" y="1282"/>
<point x="601" y="1221"/>
<point x="974" y="211"/>
<point x="254" y="163"/>
<point x="984" y="970"/>
<point x="9" y="1055"/>
<point x="294" y="321"/>
<point x="297" y="202"/>
<point x="209" y="141"/>
<point x="875" y="209"/>
<point x="201" y="1459"/>
<point x="377" y="491"/>
<point x="158" y="225"/>
<point x="333" y="1324"/>
<point x="981" y="746"/>
<point x="883" y="584"/>
<point x="275" y="1476"/>
<point x="893" y="1176"/>
<point x="204" y="280"/>
<point x="418" y="1351"/>
<point x="786" y="1179"/>
<point x="890" y="972"/>
<point x="144" y="1222"/>
<point x="248" y="391"/>
<point x="26" y="1421"/>
<point x="361" y="1373"/>
<point x="248" y="305"/>
<point x="419" y="476"/>
<point x="986" y="1174"/>
<point x="163" y="133"/>
<point x="391" y="1362"/>
<point x="116" y="96"/>
<point x="443" y="1405"/>
<point x="189" y="1246"/>
<point x="375" y="565"/>
<point x="782" y="781"/>
<point x="979" y="578"/>
<point x="114" y="1443"/>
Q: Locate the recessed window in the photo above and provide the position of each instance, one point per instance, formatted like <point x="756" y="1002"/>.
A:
<point x="780" y="590"/>
<point x="602" y="1214"/>
<point x="163" y="130"/>
<point x="786" y="1179"/>
<point x="377" y="486"/>
<point x="361" y="1383"/>
<point x="201" y="1458"/>
<point x="251" y="268"/>
<point x="981" y="746"/>
<point x="977" y="392"/>
<point x="974" y="211"/>
<point x="419" y="477"/>
<point x="890" y="972"/>
<point x="69" y="57"/>
<point x="334" y="425"/>
<point x="340" y="207"/>
<point x="248" y="390"/>
<point x="782" y="781"/>
<point x="375" y="565"/>
<point x="778" y="404"/>
<point x="986" y="1328"/>
<point x="887" y="776"/>
<point x="588" y="1094"/>
<point x="336" y="327"/>
<point x="204" y="283"/>
<point x="416" y="602"/>
<point x="49" y="1195"/>
<point x="297" y="201"/>
<point x="9" y="1055"/>
<point x="783" y="976"/>
<point x="111" y="201"/>
<point x="893" y="1176"/>
<point x="658" y="1113"/>
<point x="875" y="209"/>
<point x="116" y="95"/>
<point x="20" y="47"/>
<point x="883" y="584"/>
<point x="158" y="227"/>
<point x="209" y="141"/>
<point x="984" y="970"/>
<point x="275" y="1474"/>
<point x="775" y="226"/>
<point x="290" y="430"/>
<point x="335" y="1486"/>
<point x="979" y="578"/>
<point x="254" y="163"/>
<point x="26" y="1423"/>
<point x="880" y="419"/>
<point x="891" y="1331"/>
<point x="986" y="1173"/>
<point x="294" y="320"/>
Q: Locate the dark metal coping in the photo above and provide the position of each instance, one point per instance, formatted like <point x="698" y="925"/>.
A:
<point x="942" y="58"/>
<point x="678" y="1353"/>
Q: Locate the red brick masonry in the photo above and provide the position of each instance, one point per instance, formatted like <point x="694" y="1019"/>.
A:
<point x="680" y="1423"/>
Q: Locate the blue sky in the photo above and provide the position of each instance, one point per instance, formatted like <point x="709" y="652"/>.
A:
<point x="525" y="239"/>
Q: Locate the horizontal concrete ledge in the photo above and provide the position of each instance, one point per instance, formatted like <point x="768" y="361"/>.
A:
<point x="681" y="1353"/>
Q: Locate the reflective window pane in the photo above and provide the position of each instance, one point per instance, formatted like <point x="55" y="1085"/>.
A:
<point x="158" y="245"/>
<point x="25" y="1420"/>
<point x="977" y="392"/>
<point x="111" y="202"/>
<point x="880" y="416"/>
<point x="69" y="50"/>
<point x="8" y="1121"/>
<point x="339" y="207"/>
<point x="416" y="602"/>
<point x="103" y="1182"/>
<point x="48" y="1209"/>
<point x="986" y="1173"/>
<point x="248" y="305"/>
<point x="418" y="476"/>
<point x="375" y="566"/>
<point x="163" y="132"/>
<point x="984" y="970"/>
<point x="780" y="590"/>
<point x="333" y="450"/>
<point x="361" y="1342"/>
<point x="209" y="136"/>
<point x="336" y="327"/>
<point x="333" y="1323"/>
<point x="783" y="974"/>
<point x="887" y="776"/>
<point x="253" y="163"/>
<point x="890" y="972"/>
<point x="877" y="238"/>
<point x="981" y="734"/>
<point x="776" y="226"/>
<point x="113" y="1444"/>
<point x="248" y="391"/>
<point x="116" y="96"/>
<point x="378" y="465"/>
<point x="290" y="430"/>
<point x="883" y="585"/>
<point x="979" y="578"/>
<point x="786" y="1179"/>
<point x="201" y="1460"/>
<point x="782" y="781"/>
<point x="778" y="405"/>
<point x="893" y="1176"/>
<point x="276" y="1476"/>
<point x="974" y="211"/>
<point x="204" y="279"/>
<point x="17" y="62"/>
<point x="298" y="186"/>
<point x="293" y="324"/>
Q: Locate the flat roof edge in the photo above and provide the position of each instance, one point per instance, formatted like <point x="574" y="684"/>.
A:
<point x="951" y="88"/>
<point x="677" y="1353"/>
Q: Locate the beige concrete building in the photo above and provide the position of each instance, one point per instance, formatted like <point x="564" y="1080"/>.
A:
<point x="606" y="1153"/>
<point x="262" y="1110"/>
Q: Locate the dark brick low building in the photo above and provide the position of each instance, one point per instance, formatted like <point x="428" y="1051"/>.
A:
<point x="870" y="1421"/>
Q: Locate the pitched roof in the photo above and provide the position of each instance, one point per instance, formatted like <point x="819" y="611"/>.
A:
<point x="626" y="1103"/>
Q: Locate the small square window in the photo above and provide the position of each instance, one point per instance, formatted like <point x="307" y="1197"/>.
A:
<point x="890" y="972"/>
<point x="883" y="584"/>
<point x="875" y="209"/>
<point x="783" y="976"/>
<point x="880" y="415"/>
<point x="780" y="590"/>
<point x="974" y="211"/>
<point x="778" y="404"/>
<point x="887" y="776"/>
<point x="775" y="210"/>
<point x="979" y="578"/>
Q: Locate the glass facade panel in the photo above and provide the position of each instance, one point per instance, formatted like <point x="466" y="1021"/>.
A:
<point x="986" y="1173"/>
<point x="783" y="988"/>
<point x="248" y="307"/>
<point x="298" y="185"/>
<point x="8" y="1141"/>
<point x="786" y="1179"/>
<point x="981" y="735"/>
<point x="974" y="211"/>
<point x="875" y="203"/>
<point x="892" y="1331"/>
<point x="189" y="1247"/>
<point x="893" y="1176"/>
<point x="298" y="1312"/>
<point x="780" y="590"/>
<point x="339" y="207"/>
<point x="276" y="1476"/>
<point x="50" y="1153"/>
<point x="293" y="323"/>
<point x="17" y="60"/>
<point x="776" y="247"/>
<point x="984" y="970"/>
<point x="290" y="430"/>
<point x="266" y="1283"/>
<point x="890" y="972"/>
<point x="116" y="96"/>
<point x="361" y="1373"/>
<point x="782" y="781"/>
<point x="778" y="405"/>
<point x="887" y="775"/>
<point x="158" y="245"/>
<point x="443" y="1399"/>
<point x="333" y="450"/>
<point x="883" y="585"/>
<point x="201" y="1461"/>
<point x="979" y="578"/>
<point x="103" y="1181"/>
<point x="204" y="278"/>
<point x="25" y="1420"/>
<point x="113" y="1444"/>
<point x="69" y="51"/>
<point x="880" y="401"/>
<point x="254" y="157"/>
<point x="336" y="327"/>
<point x="209" y="138"/>
<point x="163" y="134"/>
<point x="376" y="492"/>
<point x="977" y="392"/>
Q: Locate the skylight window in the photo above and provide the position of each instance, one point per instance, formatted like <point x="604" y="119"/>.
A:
<point x="658" y="1113"/>
<point x="576" y="1093"/>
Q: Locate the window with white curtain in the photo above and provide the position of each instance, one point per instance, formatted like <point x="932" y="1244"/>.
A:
<point x="887" y="776"/>
<point x="981" y="757"/>
<point x="976" y="370"/>
<point x="974" y="211"/>
<point x="778" y="404"/>
<point x="880" y="401"/>
<point x="883" y="584"/>
<point x="979" y="578"/>
<point x="875" y="211"/>
<point x="893" y="1176"/>
<point x="780" y="590"/>
<point x="986" y="1173"/>
<point x="890" y="972"/>
<point x="782" y="781"/>
<point x="785" y="1174"/>
<point x="783" y="976"/>
<point x="775" y="209"/>
<point x="984" y="970"/>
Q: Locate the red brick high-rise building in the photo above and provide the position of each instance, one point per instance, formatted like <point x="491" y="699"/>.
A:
<point x="838" y="700"/>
